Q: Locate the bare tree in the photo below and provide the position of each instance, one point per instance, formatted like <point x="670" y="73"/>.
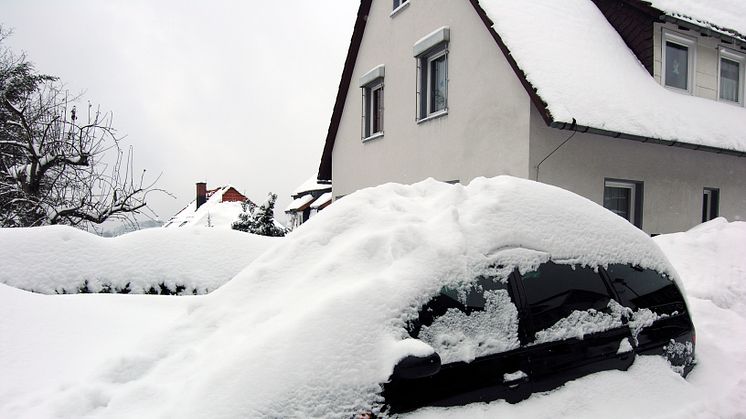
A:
<point x="59" y="165"/>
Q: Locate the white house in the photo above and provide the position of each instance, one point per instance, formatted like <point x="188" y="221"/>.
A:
<point x="638" y="106"/>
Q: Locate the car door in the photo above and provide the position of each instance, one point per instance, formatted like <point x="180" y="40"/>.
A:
<point x="573" y="327"/>
<point x="475" y="332"/>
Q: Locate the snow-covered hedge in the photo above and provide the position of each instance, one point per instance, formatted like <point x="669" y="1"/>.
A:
<point x="65" y="260"/>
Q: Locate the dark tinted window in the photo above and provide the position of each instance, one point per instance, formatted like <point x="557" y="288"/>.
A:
<point x="467" y="301"/>
<point x="645" y="288"/>
<point x="554" y="291"/>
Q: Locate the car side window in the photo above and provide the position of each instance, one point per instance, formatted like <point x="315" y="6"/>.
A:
<point x="645" y="288"/>
<point x="554" y="292"/>
<point x="464" y="324"/>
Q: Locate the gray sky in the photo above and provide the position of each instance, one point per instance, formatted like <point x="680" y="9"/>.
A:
<point x="224" y="91"/>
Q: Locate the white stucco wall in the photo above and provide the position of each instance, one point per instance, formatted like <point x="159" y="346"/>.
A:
<point x="486" y="130"/>
<point x="674" y="178"/>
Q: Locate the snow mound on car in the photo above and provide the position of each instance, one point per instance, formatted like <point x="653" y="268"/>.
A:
<point x="309" y="329"/>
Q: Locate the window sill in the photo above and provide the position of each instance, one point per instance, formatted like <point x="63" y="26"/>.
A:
<point x="373" y="137"/>
<point x="399" y="9"/>
<point x="678" y="90"/>
<point x="432" y="116"/>
<point x="731" y="102"/>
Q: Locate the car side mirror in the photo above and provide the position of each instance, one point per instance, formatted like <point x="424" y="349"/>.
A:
<point x="414" y="366"/>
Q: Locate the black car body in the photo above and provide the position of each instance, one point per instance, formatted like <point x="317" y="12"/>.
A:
<point x="571" y="321"/>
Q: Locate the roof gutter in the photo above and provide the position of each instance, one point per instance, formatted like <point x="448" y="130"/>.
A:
<point x="671" y="143"/>
<point x="704" y="30"/>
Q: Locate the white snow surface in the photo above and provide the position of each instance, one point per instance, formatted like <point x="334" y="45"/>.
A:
<point x="212" y="213"/>
<point x="310" y="328"/>
<point x="581" y="323"/>
<point x="723" y="15"/>
<point x="55" y="258"/>
<point x="693" y="253"/>
<point x="584" y="71"/>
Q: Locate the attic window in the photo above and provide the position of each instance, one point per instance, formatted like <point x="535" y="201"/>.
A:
<point x="678" y="61"/>
<point x="731" y="76"/>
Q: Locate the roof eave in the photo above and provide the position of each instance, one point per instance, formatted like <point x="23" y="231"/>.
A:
<point x="325" y="167"/>
<point x="671" y="143"/>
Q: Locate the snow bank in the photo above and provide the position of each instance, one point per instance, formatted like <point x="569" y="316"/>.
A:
<point x="568" y="49"/>
<point x="59" y="259"/>
<point x="711" y="258"/>
<point x="49" y="342"/>
<point x="308" y="329"/>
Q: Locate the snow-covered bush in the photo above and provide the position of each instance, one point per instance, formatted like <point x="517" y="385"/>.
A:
<point x="65" y="260"/>
<point x="260" y="219"/>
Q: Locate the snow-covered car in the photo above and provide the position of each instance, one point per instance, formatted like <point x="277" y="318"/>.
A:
<point x="509" y="334"/>
<point x="337" y="318"/>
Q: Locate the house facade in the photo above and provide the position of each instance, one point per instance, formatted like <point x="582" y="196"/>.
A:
<point x="634" y="106"/>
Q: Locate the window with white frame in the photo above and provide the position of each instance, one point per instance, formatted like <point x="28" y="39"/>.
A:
<point x="710" y="204"/>
<point x="399" y="3"/>
<point x="679" y="54"/>
<point x="431" y="53"/>
<point x="624" y="198"/>
<point x="372" y="86"/>
<point x="731" y="73"/>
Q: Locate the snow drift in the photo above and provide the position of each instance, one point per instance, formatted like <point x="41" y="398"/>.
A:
<point x="712" y="259"/>
<point x="60" y="259"/>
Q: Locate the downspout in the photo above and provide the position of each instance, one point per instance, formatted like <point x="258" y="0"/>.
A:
<point x="573" y="128"/>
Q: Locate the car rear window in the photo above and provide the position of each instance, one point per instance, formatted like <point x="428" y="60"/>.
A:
<point x="464" y="324"/>
<point x="646" y="288"/>
<point x="554" y="292"/>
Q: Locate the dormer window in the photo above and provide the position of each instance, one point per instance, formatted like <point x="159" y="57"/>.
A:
<point x="678" y="61"/>
<point x="730" y="84"/>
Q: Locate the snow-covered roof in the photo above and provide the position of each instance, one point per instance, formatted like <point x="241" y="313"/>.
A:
<point x="323" y="200"/>
<point x="299" y="203"/>
<point x="583" y="70"/>
<point x="213" y="212"/>
<point x="725" y="16"/>
<point x="311" y="184"/>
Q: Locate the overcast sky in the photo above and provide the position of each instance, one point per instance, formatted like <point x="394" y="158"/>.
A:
<point x="223" y="91"/>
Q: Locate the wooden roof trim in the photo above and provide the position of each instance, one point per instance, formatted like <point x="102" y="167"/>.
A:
<point x="325" y="167"/>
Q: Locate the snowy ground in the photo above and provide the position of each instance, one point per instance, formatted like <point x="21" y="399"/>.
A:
<point x="160" y="356"/>
<point x="60" y="259"/>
